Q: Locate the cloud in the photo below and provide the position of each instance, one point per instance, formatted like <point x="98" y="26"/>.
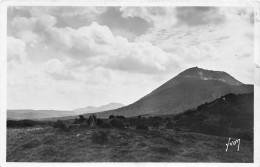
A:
<point x="158" y="16"/>
<point x="196" y="16"/>
<point x="94" y="45"/>
<point x="195" y="53"/>
<point x="116" y="22"/>
<point x="143" y="57"/>
<point x="64" y="11"/>
<point x="164" y="17"/>
<point x="15" y="49"/>
<point x="57" y="70"/>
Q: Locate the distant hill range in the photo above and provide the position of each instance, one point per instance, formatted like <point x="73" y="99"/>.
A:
<point x="45" y="114"/>
<point x="187" y="90"/>
<point x="91" y="109"/>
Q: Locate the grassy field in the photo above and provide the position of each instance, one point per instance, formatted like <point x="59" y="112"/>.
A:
<point x="47" y="144"/>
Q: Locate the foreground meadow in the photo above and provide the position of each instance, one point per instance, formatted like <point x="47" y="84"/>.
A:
<point x="46" y="144"/>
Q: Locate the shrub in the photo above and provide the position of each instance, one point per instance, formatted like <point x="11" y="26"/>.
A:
<point x="120" y="117"/>
<point x="178" y="116"/>
<point x="142" y="127"/>
<point x="117" y="123"/>
<point x="60" y="125"/>
<point x="139" y="117"/>
<point x="92" y="120"/>
<point x="167" y="119"/>
<point x="84" y="125"/>
<point x="111" y="117"/>
<point x="21" y="123"/>
<point x="105" y="125"/>
<point x="127" y="125"/>
<point x="89" y="121"/>
<point x="158" y="118"/>
<point x="99" y="122"/>
<point x="94" y="117"/>
<point x="99" y="137"/>
<point x="81" y="117"/>
<point x="156" y="124"/>
<point x="169" y="125"/>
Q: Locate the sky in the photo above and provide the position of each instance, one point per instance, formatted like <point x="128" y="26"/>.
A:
<point x="65" y="58"/>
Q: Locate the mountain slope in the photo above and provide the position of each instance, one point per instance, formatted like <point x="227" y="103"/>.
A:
<point x="187" y="90"/>
<point x="230" y="115"/>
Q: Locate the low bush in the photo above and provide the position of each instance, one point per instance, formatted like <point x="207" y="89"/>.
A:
<point x="167" y="119"/>
<point x="156" y="124"/>
<point x="157" y="118"/>
<point x="99" y="122"/>
<point x="117" y="123"/>
<point x="139" y="117"/>
<point x="60" y="125"/>
<point x="127" y="125"/>
<point x="92" y="120"/>
<point x="21" y="123"/>
<point x="105" y="125"/>
<point x="178" y="116"/>
<point x="111" y="116"/>
<point x="142" y="127"/>
<point x="81" y="120"/>
<point x="120" y="117"/>
<point x="169" y="125"/>
<point x="84" y="125"/>
<point x="99" y="137"/>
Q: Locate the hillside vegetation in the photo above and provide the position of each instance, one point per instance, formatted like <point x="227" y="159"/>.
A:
<point x="45" y="144"/>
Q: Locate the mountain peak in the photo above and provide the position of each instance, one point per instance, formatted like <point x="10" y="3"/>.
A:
<point x="203" y="74"/>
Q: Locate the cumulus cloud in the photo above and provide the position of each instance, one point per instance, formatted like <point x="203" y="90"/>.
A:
<point x="121" y="25"/>
<point x="95" y="45"/>
<point x="143" y="57"/>
<point x="15" y="49"/>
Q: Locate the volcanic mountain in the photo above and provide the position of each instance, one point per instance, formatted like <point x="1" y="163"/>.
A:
<point x="187" y="90"/>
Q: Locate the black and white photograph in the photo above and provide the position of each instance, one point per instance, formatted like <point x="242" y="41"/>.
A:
<point x="131" y="83"/>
